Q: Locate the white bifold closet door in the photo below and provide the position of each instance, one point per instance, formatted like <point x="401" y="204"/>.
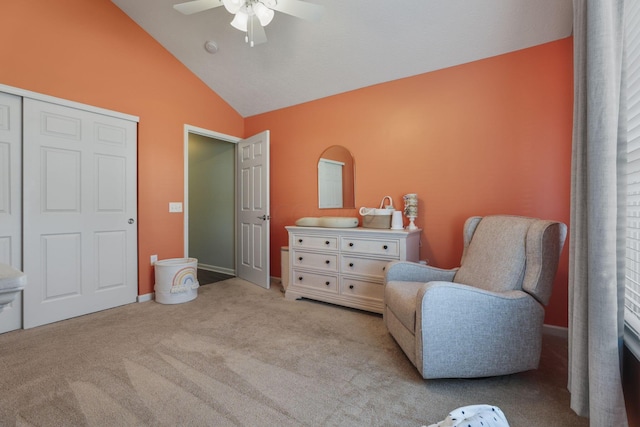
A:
<point x="10" y="199"/>
<point x="80" y="212"/>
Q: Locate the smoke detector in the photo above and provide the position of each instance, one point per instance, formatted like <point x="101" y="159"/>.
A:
<point x="211" y="46"/>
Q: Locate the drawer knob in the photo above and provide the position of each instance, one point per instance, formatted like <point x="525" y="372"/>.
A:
<point x="328" y="262"/>
<point x="326" y="242"/>
<point x="384" y="268"/>
<point x="351" y="286"/>
<point x="327" y="283"/>
<point x="351" y="244"/>
<point x="350" y="264"/>
<point x="299" y="240"/>
<point x="299" y="258"/>
<point x="385" y="247"/>
<point x="300" y="278"/>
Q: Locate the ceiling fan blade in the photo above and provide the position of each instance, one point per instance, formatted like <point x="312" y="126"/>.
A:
<point x="300" y="9"/>
<point x="196" y="6"/>
<point x="256" y="31"/>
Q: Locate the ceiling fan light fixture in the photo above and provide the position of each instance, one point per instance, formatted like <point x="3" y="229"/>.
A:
<point x="233" y="6"/>
<point x="240" y="21"/>
<point x="264" y="14"/>
<point x="251" y="16"/>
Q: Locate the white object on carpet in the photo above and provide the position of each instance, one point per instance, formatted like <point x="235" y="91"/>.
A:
<point x="474" y="416"/>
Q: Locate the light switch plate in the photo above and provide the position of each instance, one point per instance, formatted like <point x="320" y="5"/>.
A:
<point x="175" y="206"/>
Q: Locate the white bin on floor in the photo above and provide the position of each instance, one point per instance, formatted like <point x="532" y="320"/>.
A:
<point x="176" y="280"/>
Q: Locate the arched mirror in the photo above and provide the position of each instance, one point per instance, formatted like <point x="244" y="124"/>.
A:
<point x="336" y="178"/>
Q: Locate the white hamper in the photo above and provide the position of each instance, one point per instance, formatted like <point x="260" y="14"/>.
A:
<point x="176" y="280"/>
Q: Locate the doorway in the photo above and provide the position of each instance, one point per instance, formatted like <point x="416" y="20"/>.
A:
<point x="210" y="204"/>
<point x="250" y="185"/>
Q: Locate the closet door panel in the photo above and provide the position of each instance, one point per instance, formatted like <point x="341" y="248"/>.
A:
<point x="60" y="180"/>
<point x="62" y="266"/>
<point x="80" y="214"/>
<point x="11" y="199"/>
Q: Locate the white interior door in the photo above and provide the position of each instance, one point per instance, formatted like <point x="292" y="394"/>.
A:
<point x="80" y="211"/>
<point x="252" y="201"/>
<point x="11" y="199"/>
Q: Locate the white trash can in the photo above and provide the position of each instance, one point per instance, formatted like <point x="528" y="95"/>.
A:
<point x="176" y="280"/>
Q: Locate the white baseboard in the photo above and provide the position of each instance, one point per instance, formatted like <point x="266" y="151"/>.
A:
<point x="558" y="331"/>
<point x="146" y="297"/>
<point x="216" y="269"/>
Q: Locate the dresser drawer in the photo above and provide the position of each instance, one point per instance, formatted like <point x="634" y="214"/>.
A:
<point x="386" y="247"/>
<point x="325" y="282"/>
<point x="364" y="266"/>
<point x="316" y="260"/>
<point x="315" y="242"/>
<point x="361" y="288"/>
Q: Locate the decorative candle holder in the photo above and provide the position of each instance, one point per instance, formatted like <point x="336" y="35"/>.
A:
<point x="412" y="225"/>
<point x="411" y="209"/>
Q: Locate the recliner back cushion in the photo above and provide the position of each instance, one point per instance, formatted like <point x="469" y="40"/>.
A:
<point x="495" y="259"/>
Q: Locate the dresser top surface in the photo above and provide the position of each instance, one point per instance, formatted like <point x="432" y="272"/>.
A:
<point x="352" y="230"/>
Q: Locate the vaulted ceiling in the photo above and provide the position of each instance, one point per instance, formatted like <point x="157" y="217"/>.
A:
<point x="357" y="43"/>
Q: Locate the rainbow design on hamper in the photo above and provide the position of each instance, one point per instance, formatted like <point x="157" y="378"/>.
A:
<point x="184" y="280"/>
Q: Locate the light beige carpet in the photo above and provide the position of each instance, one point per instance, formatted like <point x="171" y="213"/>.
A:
<point x="239" y="355"/>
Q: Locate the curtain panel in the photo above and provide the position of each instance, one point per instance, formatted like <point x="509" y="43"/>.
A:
<point x="597" y="228"/>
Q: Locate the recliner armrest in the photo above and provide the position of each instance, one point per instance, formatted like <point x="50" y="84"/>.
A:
<point x="406" y="271"/>
<point x="465" y="332"/>
<point x="460" y="292"/>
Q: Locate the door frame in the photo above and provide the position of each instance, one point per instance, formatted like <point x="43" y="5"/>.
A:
<point x="189" y="129"/>
<point x="67" y="103"/>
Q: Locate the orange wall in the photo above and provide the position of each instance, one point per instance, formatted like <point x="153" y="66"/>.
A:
<point x="493" y="136"/>
<point x="91" y="52"/>
<point x="489" y="137"/>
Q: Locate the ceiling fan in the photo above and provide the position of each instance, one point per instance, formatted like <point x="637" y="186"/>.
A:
<point x="251" y="16"/>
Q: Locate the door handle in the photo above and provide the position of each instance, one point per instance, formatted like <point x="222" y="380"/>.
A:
<point x="131" y="221"/>
<point x="264" y="217"/>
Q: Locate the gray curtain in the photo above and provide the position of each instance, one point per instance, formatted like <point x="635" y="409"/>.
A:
<point x="597" y="229"/>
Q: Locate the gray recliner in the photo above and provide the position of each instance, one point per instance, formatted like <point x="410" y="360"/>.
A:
<point x="485" y="317"/>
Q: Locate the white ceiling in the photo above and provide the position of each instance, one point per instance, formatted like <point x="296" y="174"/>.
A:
<point x="357" y="43"/>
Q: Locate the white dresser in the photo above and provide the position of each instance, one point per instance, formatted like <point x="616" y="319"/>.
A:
<point x="346" y="266"/>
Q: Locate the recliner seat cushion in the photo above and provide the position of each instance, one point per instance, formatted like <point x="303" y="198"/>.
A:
<point x="501" y="268"/>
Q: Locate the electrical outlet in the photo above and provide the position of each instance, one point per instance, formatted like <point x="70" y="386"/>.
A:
<point x="175" y="206"/>
<point x="154" y="259"/>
